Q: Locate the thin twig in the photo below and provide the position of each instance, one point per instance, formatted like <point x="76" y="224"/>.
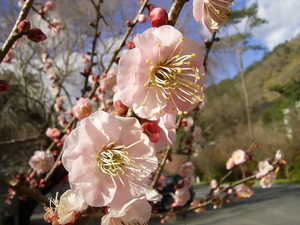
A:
<point x="14" y="35"/>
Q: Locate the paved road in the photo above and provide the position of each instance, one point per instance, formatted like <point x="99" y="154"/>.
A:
<point x="278" y="205"/>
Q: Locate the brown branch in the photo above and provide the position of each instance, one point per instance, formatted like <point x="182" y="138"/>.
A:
<point x="23" y="140"/>
<point x="9" y="181"/>
<point x="14" y="35"/>
<point x="175" y="10"/>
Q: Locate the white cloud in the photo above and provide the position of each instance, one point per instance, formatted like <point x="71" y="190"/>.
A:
<point x="283" y="21"/>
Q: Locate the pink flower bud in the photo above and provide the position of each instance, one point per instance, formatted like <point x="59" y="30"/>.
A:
<point x="152" y="131"/>
<point x="158" y="17"/>
<point x="49" y="5"/>
<point x="142" y="18"/>
<point x="120" y="108"/>
<point x="3" y="86"/>
<point x="36" y="35"/>
<point x="24" y="26"/>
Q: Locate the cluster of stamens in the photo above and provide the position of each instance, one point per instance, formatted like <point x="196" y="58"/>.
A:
<point x="175" y="77"/>
<point x="217" y="12"/>
<point x="113" y="159"/>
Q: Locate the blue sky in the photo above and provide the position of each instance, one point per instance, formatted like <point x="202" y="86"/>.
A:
<point x="283" y="24"/>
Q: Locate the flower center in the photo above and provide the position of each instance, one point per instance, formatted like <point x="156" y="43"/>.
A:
<point x="175" y="77"/>
<point x="112" y="160"/>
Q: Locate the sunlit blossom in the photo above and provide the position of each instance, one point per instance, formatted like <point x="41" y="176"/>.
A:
<point x="239" y="156"/>
<point x="267" y="180"/>
<point x="83" y="108"/>
<point x="212" y="13"/>
<point x="52" y="132"/>
<point x="41" y="161"/>
<point x="163" y="74"/>
<point x="109" y="159"/>
<point x="264" y="167"/>
<point x="64" y="210"/>
<point x="136" y="211"/>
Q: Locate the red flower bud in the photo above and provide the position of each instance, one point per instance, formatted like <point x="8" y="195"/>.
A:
<point x="128" y="23"/>
<point x="207" y="42"/>
<point x="24" y="26"/>
<point x="151" y="129"/>
<point x="3" y="85"/>
<point x="158" y="17"/>
<point x="36" y="35"/>
<point x="120" y="108"/>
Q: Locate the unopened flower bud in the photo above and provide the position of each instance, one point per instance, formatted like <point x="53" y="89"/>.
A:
<point x="128" y="23"/>
<point x="3" y="85"/>
<point x="151" y="129"/>
<point x="36" y="35"/>
<point x="24" y="26"/>
<point x="158" y="17"/>
<point x="120" y="108"/>
<point x="207" y="43"/>
<point x="142" y="18"/>
<point x="49" y="5"/>
<point x="130" y="45"/>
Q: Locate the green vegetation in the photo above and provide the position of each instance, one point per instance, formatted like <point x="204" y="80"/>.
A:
<point x="273" y="85"/>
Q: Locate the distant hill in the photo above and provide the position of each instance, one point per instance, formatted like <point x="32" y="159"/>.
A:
<point x="273" y="84"/>
<point x="225" y="101"/>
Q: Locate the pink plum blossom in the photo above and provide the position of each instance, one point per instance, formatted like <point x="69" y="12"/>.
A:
<point x="65" y="210"/>
<point x="41" y="161"/>
<point x="109" y="159"/>
<point x="239" y="156"/>
<point x="52" y="132"/>
<point x="182" y="195"/>
<point x="264" y="167"/>
<point x="163" y="74"/>
<point x="230" y="164"/>
<point x="212" y="13"/>
<point x="244" y="191"/>
<point x="83" y="108"/>
<point x="197" y="133"/>
<point x="268" y="180"/>
<point x="136" y="211"/>
<point x="187" y="169"/>
<point x="279" y="155"/>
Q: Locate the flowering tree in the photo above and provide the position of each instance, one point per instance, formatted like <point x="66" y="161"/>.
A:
<point x="131" y="105"/>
